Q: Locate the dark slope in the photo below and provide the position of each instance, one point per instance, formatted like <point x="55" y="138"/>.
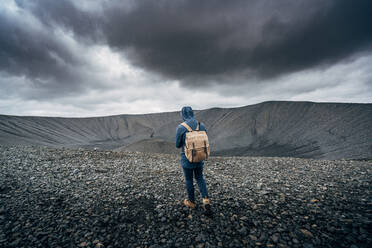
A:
<point x="151" y="146"/>
<point x="298" y="129"/>
<point x="104" y="132"/>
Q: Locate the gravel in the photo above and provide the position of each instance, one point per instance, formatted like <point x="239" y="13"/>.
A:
<point x="90" y="198"/>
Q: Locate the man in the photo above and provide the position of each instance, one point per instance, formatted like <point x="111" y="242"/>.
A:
<point x="191" y="169"/>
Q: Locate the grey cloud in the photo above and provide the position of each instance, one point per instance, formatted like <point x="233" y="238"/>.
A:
<point x="197" y="42"/>
<point x="64" y="14"/>
<point x="184" y="39"/>
<point x="39" y="54"/>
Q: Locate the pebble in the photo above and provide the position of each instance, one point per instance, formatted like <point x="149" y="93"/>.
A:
<point x="86" y="198"/>
<point x="83" y="244"/>
<point x="252" y="237"/>
<point x="306" y="233"/>
<point x="243" y="231"/>
<point x="275" y="238"/>
<point x="308" y="245"/>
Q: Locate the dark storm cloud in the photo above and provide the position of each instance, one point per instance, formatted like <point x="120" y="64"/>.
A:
<point x="64" y="14"/>
<point x="266" y="38"/>
<point x="188" y="39"/>
<point x="27" y="52"/>
<point x="39" y="53"/>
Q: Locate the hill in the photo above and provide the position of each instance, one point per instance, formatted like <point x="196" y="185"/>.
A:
<point x="286" y="129"/>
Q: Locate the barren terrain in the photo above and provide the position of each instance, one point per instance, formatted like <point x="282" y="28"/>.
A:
<point x="53" y="197"/>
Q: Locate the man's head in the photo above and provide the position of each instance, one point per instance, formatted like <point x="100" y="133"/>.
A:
<point x="187" y="113"/>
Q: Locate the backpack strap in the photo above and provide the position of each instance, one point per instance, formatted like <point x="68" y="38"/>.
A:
<point x="187" y="126"/>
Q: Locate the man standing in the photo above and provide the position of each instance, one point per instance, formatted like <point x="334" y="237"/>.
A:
<point x="191" y="169"/>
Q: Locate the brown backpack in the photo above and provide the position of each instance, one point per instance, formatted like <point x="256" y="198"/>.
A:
<point x="196" y="144"/>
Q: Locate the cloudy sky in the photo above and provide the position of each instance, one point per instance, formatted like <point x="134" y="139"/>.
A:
<point x="105" y="57"/>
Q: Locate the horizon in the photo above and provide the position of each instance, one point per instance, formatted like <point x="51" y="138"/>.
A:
<point x="104" y="58"/>
<point x="175" y="111"/>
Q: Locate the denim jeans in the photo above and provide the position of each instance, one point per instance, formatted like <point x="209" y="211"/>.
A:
<point x="189" y="176"/>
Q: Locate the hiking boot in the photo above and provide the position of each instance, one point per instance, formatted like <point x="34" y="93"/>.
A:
<point x="189" y="203"/>
<point x="207" y="207"/>
<point x="206" y="203"/>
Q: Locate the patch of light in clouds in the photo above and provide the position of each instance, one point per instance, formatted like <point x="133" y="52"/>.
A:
<point x="128" y="90"/>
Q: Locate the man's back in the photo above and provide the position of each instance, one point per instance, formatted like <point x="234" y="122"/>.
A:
<point x="190" y="169"/>
<point x="188" y="117"/>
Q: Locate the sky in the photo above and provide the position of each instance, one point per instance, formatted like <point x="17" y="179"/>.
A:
<point x="106" y="57"/>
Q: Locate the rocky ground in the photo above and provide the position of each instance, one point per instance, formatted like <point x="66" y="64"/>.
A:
<point x="71" y="198"/>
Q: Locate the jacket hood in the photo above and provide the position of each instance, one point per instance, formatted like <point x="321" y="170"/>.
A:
<point x="187" y="113"/>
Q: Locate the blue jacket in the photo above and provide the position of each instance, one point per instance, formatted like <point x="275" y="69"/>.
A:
<point x="188" y="116"/>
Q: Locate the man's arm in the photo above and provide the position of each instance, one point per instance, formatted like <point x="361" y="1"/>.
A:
<point x="180" y="131"/>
